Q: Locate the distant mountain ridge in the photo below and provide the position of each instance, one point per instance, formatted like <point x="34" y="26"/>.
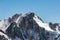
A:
<point x="28" y="27"/>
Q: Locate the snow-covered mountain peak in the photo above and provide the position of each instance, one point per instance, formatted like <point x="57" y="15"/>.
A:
<point x="28" y="27"/>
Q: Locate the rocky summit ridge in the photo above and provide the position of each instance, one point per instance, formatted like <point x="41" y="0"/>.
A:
<point x="28" y="27"/>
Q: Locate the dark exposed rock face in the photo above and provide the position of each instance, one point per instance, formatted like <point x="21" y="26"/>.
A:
<point x="3" y="38"/>
<point x="28" y="29"/>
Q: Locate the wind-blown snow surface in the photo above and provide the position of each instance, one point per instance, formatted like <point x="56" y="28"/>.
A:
<point x="28" y="27"/>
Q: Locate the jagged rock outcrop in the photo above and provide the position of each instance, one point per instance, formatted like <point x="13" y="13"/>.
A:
<point x="29" y="27"/>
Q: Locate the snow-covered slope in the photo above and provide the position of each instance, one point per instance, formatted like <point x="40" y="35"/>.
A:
<point x="28" y="27"/>
<point x="2" y="25"/>
<point x="41" y="24"/>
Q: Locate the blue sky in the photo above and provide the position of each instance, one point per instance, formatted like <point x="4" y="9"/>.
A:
<point x="48" y="10"/>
